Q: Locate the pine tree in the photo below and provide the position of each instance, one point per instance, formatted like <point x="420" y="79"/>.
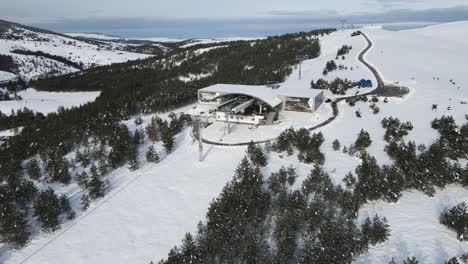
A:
<point x="96" y="185"/>
<point x="412" y="260"/>
<point x="133" y="157"/>
<point x="83" y="180"/>
<point x="33" y="169"/>
<point x="453" y="260"/>
<point x="66" y="208"/>
<point x="363" y="141"/>
<point x="189" y="251"/>
<point x="47" y="210"/>
<point x="456" y="219"/>
<point x="14" y="226"/>
<point x="167" y="138"/>
<point x="375" y="231"/>
<point x="336" y="145"/>
<point x="151" y="155"/>
<point x="349" y="180"/>
<point x="138" y="137"/>
<point x="256" y="155"/>
<point x="85" y="201"/>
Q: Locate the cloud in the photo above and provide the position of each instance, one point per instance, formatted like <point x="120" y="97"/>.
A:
<point x="394" y="3"/>
<point x="395" y="15"/>
<point x="274" y="22"/>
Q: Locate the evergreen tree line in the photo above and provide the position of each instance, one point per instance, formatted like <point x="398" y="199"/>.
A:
<point x="97" y="156"/>
<point x="307" y="146"/>
<point x="19" y="118"/>
<point x="258" y="220"/>
<point x="39" y="53"/>
<point x="265" y="220"/>
<point x="128" y="89"/>
<point x="7" y="63"/>
<point x="345" y="49"/>
<point x="329" y="67"/>
<point x="337" y="86"/>
<point x="456" y="218"/>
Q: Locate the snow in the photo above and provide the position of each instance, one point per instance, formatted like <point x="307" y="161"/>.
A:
<point x="163" y="39"/>
<point x="264" y="93"/>
<point x="6" y="76"/>
<point x="72" y="49"/>
<point x="415" y="228"/>
<point x="148" y="211"/>
<point x="312" y="69"/>
<point x="91" y="35"/>
<point x="47" y="102"/>
<point x="218" y="40"/>
<point x="242" y="133"/>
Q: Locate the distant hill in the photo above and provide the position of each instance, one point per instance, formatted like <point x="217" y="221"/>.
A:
<point x="30" y="52"/>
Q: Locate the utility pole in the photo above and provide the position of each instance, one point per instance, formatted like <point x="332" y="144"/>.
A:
<point x="228" y="123"/>
<point x="300" y="68"/>
<point x="200" y="140"/>
<point x="300" y="58"/>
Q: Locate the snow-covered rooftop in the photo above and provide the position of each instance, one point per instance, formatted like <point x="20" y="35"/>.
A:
<point x="302" y="93"/>
<point x="263" y="93"/>
<point x="268" y="95"/>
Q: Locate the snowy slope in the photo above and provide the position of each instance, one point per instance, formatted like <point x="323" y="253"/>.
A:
<point x="145" y="214"/>
<point x="87" y="53"/>
<point x="154" y="212"/>
<point x="415" y="228"/>
<point x="91" y="35"/>
<point x="47" y="102"/>
<point x="6" y="76"/>
<point x="423" y="54"/>
<point x="141" y="221"/>
<point x="197" y="41"/>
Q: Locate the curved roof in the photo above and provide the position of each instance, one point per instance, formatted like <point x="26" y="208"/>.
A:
<point x="263" y="93"/>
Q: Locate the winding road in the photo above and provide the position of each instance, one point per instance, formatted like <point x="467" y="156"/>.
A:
<point x="380" y="90"/>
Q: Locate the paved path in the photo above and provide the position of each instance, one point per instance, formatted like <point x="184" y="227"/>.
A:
<point x="381" y="90"/>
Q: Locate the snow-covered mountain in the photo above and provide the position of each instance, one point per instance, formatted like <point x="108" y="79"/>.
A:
<point x="148" y="210"/>
<point x="31" y="53"/>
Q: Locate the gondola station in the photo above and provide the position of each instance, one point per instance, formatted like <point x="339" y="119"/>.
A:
<point x="255" y="105"/>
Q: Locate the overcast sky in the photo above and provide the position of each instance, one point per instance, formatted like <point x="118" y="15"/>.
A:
<point x="189" y="18"/>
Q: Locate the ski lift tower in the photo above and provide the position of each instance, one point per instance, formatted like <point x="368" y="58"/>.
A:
<point x="200" y="123"/>
<point x="301" y="59"/>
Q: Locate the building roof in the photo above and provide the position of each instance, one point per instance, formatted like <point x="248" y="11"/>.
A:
<point x="302" y="93"/>
<point x="263" y="93"/>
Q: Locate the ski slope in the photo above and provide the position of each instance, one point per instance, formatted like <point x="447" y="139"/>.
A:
<point x="6" y="76"/>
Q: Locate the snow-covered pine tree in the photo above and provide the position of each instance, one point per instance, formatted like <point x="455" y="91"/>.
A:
<point x="151" y="155"/>
<point x="47" y="210"/>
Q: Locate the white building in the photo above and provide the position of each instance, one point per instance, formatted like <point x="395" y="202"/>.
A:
<point x="256" y="104"/>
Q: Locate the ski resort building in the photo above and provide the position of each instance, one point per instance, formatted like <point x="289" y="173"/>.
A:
<point x="256" y="105"/>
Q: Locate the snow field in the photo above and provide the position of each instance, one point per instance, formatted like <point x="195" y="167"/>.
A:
<point x="74" y="50"/>
<point x="47" y="102"/>
<point x="148" y="211"/>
